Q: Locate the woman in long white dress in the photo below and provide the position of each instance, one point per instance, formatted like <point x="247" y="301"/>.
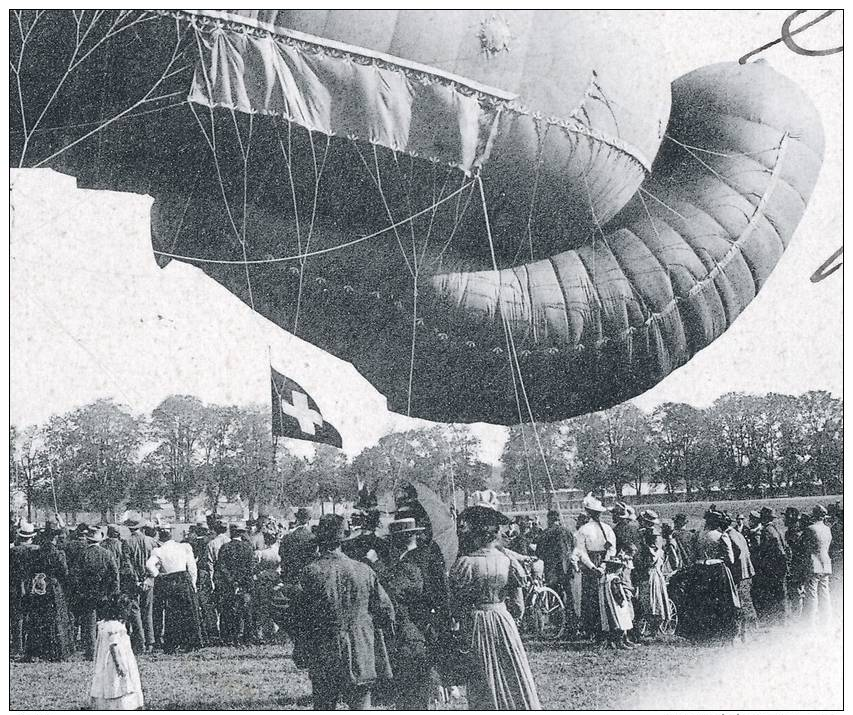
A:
<point x="485" y="586"/>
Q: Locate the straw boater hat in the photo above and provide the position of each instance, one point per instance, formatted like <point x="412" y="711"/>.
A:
<point x="134" y="522"/>
<point x="590" y="503"/>
<point x="26" y="530"/>
<point x="649" y="517"/>
<point x="404" y="526"/>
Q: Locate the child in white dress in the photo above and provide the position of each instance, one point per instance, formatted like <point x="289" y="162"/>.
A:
<point x="617" y="613"/>
<point x="115" y="684"/>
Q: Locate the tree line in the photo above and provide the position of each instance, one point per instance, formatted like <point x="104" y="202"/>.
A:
<point x="101" y="457"/>
<point x="747" y="445"/>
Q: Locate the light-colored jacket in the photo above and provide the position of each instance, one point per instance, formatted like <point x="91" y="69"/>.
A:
<point x="817" y="539"/>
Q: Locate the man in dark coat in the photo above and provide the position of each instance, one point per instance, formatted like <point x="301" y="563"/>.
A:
<point x="94" y="579"/>
<point x="114" y="544"/>
<point x="135" y="553"/>
<point x="297" y="548"/>
<point x="233" y="579"/>
<point x="366" y="545"/>
<point x="555" y="547"/>
<point x="341" y="600"/>
<point x="797" y="560"/>
<point x="75" y="543"/>
<point x="626" y="527"/>
<point x="769" y="586"/>
<point x="207" y="596"/>
<point x="685" y="539"/>
<point x="409" y="650"/>
<point x="20" y="556"/>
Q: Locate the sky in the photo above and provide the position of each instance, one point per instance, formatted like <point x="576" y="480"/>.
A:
<point x="130" y="330"/>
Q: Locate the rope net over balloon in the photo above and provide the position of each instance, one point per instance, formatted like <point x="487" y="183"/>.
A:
<point x="478" y="257"/>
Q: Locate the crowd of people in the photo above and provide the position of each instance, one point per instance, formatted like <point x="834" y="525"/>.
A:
<point x="386" y="618"/>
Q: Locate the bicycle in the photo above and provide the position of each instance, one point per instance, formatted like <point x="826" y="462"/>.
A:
<point x="544" y="610"/>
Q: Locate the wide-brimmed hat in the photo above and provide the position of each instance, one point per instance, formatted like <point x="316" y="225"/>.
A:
<point x="590" y="503"/>
<point x="404" y="526"/>
<point x="94" y="534"/>
<point x="767" y="513"/>
<point x="715" y="517"/>
<point x="479" y="515"/>
<point x="754" y="514"/>
<point x="134" y="522"/>
<point x="26" y="530"/>
<point x="331" y="529"/>
<point x="819" y="511"/>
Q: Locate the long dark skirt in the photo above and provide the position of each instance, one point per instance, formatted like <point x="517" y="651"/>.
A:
<point x="707" y="602"/>
<point x="590" y="609"/>
<point x="182" y="625"/>
<point x="49" y="629"/>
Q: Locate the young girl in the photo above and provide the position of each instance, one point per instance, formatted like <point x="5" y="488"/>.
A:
<point x="617" y="613"/>
<point x="116" y="684"/>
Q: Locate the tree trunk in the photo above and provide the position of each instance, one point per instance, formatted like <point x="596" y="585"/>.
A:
<point x="176" y="505"/>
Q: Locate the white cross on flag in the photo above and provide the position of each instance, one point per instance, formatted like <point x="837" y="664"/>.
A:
<point x="295" y="415"/>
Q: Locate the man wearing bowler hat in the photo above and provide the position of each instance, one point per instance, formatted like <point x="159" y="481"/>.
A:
<point x="409" y="648"/>
<point x="817" y="539"/>
<point x="297" y="547"/>
<point x="93" y="580"/>
<point x="233" y="579"/>
<point x="771" y="570"/>
<point x="556" y="547"/>
<point x="136" y="550"/>
<point x="334" y="640"/>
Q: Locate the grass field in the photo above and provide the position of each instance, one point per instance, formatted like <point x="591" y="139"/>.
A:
<point x="668" y="673"/>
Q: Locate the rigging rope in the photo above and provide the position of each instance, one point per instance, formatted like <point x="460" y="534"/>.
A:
<point x="514" y="363"/>
<point x="320" y="252"/>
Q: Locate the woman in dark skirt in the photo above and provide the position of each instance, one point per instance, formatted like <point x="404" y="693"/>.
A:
<point x="705" y="593"/>
<point x="49" y="635"/>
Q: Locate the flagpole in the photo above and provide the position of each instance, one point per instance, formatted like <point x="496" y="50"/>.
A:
<point x="53" y="489"/>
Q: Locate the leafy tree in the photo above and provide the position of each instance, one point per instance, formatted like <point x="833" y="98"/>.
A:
<point x="93" y="456"/>
<point x="678" y="430"/>
<point x="177" y="427"/>
<point x="526" y="466"/>
<point x="253" y="456"/>
<point x="217" y="473"/>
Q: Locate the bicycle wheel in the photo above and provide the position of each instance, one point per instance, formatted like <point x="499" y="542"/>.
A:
<point x="548" y="614"/>
<point x="668" y="627"/>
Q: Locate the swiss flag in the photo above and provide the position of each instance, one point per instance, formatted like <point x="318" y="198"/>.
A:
<point x="295" y="414"/>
